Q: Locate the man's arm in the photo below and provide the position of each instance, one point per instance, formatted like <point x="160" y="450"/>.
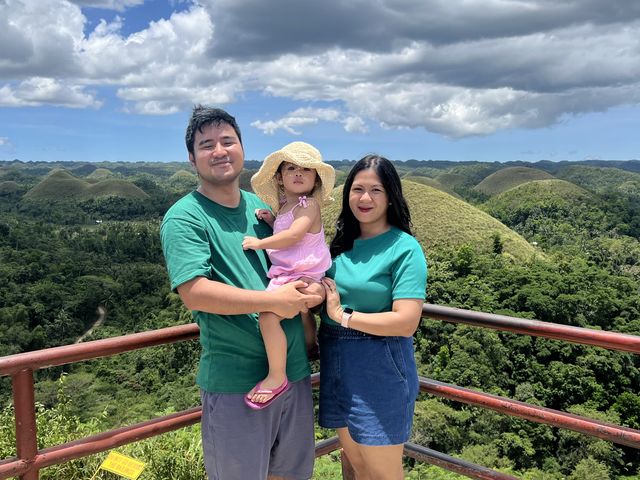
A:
<point x="215" y="297"/>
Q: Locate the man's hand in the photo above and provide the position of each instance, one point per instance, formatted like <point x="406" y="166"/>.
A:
<point x="251" y="243"/>
<point x="289" y="301"/>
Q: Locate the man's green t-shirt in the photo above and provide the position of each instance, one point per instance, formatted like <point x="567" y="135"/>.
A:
<point x="201" y="238"/>
<point x="379" y="270"/>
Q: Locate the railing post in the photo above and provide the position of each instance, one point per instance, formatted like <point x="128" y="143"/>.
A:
<point x="25" y="411"/>
<point x="347" y="469"/>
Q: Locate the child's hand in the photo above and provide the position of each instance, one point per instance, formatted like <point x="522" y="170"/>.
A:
<point x="265" y="214"/>
<point x="251" y="243"/>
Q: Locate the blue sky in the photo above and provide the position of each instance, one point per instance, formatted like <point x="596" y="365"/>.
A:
<point x="500" y="80"/>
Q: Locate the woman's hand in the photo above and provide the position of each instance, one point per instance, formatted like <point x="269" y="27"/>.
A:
<point x="333" y="307"/>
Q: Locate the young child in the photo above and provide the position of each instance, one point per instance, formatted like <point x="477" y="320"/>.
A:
<point x="295" y="183"/>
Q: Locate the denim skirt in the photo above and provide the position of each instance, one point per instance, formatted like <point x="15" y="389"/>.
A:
<point x="368" y="384"/>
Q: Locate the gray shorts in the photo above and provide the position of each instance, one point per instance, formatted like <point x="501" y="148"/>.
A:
<point x="241" y="443"/>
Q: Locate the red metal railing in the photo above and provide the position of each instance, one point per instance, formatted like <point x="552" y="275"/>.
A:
<point x="30" y="460"/>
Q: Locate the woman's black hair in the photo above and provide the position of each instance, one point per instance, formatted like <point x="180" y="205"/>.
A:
<point x="348" y="227"/>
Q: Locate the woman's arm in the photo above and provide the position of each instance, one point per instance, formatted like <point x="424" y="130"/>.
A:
<point x="304" y="220"/>
<point x="401" y="321"/>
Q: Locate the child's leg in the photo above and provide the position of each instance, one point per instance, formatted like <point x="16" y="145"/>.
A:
<point x="309" y="318"/>
<point x="275" y="343"/>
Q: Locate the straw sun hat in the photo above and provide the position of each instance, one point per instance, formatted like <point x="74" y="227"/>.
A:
<point x="265" y="184"/>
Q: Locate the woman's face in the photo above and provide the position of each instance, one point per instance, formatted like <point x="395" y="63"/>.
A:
<point x="368" y="200"/>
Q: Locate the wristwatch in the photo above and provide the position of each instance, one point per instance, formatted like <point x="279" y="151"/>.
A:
<point x="347" y="313"/>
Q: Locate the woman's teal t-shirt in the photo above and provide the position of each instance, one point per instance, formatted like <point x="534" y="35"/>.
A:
<point x="379" y="270"/>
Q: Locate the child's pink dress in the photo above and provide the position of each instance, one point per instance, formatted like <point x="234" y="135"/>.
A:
<point x="309" y="257"/>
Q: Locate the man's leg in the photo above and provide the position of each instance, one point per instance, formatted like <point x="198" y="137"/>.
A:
<point x="293" y="452"/>
<point x="237" y="440"/>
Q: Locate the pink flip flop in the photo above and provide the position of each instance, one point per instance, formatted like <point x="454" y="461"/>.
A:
<point x="276" y="392"/>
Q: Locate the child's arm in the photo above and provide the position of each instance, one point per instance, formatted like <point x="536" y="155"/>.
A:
<point x="304" y="219"/>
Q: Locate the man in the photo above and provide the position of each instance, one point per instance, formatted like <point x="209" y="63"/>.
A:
<point x="224" y="286"/>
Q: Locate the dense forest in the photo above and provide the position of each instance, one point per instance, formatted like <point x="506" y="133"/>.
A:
<point x="80" y="259"/>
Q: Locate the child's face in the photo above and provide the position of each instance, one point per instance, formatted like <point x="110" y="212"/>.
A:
<point x="297" y="180"/>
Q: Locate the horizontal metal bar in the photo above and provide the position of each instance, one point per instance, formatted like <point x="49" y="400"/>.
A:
<point x="587" y="336"/>
<point x="606" y="431"/>
<point x="453" y="464"/>
<point x="102" y="442"/>
<point x="51" y="357"/>
<point x="327" y="446"/>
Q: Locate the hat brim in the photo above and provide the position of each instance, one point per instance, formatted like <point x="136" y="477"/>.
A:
<point x="265" y="183"/>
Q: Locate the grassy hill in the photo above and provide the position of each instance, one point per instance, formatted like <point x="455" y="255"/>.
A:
<point x="183" y="180"/>
<point x="60" y="185"/>
<point x="510" y="177"/>
<point x="100" y="173"/>
<point x="9" y="187"/>
<point x="542" y="194"/>
<point x="442" y="221"/>
<point x="452" y="180"/>
<point x="114" y="188"/>
<point x="432" y="183"/>
<point x="601" y="180"/>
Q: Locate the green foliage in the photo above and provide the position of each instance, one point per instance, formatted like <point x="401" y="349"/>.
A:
<point x="589" y="469"/>
<point x="58" y="266"/>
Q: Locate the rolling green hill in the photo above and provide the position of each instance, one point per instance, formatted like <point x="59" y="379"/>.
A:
<point x="601" y="180"/>
<point x="9" y="187"/>
<point x="100" y="173"/>
<point x="432" y="183"/>
<point x="114" y="188"/>
<point x="183" y="179"/>
<point x="452" y="180"/>
<point x="510" y="177"/>
<point x="553" y="194"/>
<point x="442" y="221"/>
<point x="60" y="185"/>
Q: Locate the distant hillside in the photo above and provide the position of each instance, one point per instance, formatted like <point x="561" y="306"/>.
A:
<point x="100" y="173"/>
<point x="510" y="177"/>
<point x="452" y="180"/>
<point x="60" y="185"/>
<point x="472" y="173"/>
<point x="9" y="187"/>
<point x="442" y="221"/>
<point x="601" y="180"/>
<point x="114" y="188"/>
<point x="183" y="179"/>
<point x="542" y="194"/>
<point x="432" y="183"/>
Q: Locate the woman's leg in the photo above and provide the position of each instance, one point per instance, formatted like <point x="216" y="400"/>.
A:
<point x="275" y="343"/>
<point x="372" y="463"/>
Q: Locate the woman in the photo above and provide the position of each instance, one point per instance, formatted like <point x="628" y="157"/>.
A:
<point x="369" y="380"/>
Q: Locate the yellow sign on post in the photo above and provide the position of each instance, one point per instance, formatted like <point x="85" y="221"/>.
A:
<point x="122" y="465"/>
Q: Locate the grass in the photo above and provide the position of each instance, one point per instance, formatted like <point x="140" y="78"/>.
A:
<point x="432" y="183"/>
<point x="510" y="177"/>
<point x="559" y="192"/>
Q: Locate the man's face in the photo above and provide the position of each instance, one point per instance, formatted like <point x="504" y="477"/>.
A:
<point x="218" y="155"/>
